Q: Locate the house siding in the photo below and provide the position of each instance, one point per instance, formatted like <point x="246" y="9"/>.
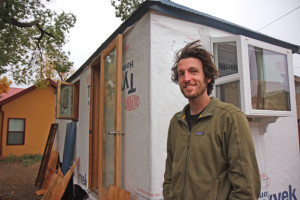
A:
<point x="38" y="108"/>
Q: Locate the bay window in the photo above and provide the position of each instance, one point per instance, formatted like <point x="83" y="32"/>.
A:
<point x="255" y="76"/>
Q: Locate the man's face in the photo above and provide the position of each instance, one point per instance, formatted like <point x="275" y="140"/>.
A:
<point x="192" y="81"/>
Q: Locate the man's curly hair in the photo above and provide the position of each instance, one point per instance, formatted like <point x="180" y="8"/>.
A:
<point x="195" y="50"/>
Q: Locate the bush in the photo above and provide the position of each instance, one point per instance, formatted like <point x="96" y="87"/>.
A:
<point x="26" y="159"/>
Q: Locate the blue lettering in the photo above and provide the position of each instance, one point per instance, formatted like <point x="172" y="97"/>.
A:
<point x="126" y="85"/>
<point x="285" y="195"/>
<point x="128" y="65"/>
<point x="263" y="194"/>
<point x="292" y="195"/>
<point x="83" y="179"/>
<point x="132" y="90"/>
<point x="277" y="198"/>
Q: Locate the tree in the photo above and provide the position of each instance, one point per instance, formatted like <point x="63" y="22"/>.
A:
<point x="124" y="8"/>
<point x="4" y="85"/>
<point x="31" y="37"/>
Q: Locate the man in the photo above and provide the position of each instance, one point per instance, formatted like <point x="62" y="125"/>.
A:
<point x="210" y="152"/>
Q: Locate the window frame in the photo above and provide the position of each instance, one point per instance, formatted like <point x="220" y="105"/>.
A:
<point x="8" y="131"/>
<point x="233" y="77"/>
<point x="290" y="71"/>
<point x="243" y="75"/>
<point x="74" y="104"/>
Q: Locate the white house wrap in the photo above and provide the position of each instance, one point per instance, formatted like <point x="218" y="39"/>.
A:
<point x="149" y="99"/>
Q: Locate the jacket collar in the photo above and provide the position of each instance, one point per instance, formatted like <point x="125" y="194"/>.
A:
<point x="208" y="111"/>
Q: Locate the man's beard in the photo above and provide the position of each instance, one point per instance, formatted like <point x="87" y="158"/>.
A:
<point x="199" y="91"/>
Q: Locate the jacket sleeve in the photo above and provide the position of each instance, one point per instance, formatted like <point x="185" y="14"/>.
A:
<point x="243" y="172"/>
<point x="168" y="169"/>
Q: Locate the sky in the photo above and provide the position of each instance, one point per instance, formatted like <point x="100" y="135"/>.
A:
<point x="96" y="21"/>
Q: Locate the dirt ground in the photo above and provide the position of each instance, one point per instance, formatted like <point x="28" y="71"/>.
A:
<point x="17" y="181"/>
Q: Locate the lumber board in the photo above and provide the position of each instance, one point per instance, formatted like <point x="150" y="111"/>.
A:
<point x="59" y="184"/>
<point x="46" y="155"/>
<point x="116" y="193"/>
<point x="51" y="169"/>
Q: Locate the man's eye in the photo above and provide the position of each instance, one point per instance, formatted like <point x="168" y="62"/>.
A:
<point x="194" y="71"/>
<point x="180" y="74"/>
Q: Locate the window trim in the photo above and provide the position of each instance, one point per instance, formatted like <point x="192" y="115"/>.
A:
<point x="24" y="128"/>
<point x="233" y="77"/>
<point x="290" y="70"/>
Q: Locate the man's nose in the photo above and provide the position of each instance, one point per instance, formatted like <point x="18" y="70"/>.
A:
<point x="187" y="76"/>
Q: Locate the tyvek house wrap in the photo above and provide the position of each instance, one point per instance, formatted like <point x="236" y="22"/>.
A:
<point x="150" y="99"/>
<point x="136" y="143"/>
<point x="159" y="37"/>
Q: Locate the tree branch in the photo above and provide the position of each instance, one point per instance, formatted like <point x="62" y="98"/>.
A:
<point x="36" y="23"/>
<point x="22" y="24"/>
<point x="30" y="24"/>
<point x="44" y="32"/>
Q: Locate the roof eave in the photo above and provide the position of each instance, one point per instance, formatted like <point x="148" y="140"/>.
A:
<point x="25" y="91"/>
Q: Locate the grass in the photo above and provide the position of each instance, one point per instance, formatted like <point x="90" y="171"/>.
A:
<point x="26" y="159"/>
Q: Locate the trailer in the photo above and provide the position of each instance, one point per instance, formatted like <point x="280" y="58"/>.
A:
<point x="122" y="99"/>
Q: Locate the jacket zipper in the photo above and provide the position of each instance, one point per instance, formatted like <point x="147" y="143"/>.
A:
<point x="186" y="159"/>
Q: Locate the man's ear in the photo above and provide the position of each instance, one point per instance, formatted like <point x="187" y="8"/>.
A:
<point x="208" y="80"/>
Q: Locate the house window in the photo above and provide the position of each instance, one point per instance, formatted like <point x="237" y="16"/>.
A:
<point x="229" y="92"/>
<point x="67" y="100"/>
<point x="269" y="79"/>
<point x="16" y="132"/>
<point x="226" y="58"/>
<point x="255" y="76"/>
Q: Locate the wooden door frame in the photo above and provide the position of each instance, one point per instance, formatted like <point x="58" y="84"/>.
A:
<point x="115" y="44"/>
<point x="94" y="126"/>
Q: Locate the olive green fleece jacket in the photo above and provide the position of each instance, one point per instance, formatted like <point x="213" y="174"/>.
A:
<point x="215" y="161"/>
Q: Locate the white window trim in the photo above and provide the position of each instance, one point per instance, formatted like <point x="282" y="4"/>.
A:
<point x="255" y="112"/>
<point x="243" y="75"/>
<point x="233" y="77"/>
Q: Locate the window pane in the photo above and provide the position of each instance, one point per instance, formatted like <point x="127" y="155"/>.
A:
<point x="109" y="118"/>
<point x="16" y="125"/>
<point x="229" y="93"/>
<point x="15" y="138"/>
<point x="66" y="100"/>
<point x="225" y="56"/>
<point x="269" y="80"/>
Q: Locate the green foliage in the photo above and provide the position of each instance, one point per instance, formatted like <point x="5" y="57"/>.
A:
<point x="31" y="37"/>
<point x="124" y="8"/>
<point x="26" y="159"/>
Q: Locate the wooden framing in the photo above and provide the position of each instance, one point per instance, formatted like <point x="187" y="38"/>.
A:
<point x="118" y="121"/>
<point x="94" y="126"/>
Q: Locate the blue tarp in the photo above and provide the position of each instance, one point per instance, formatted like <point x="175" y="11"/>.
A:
<point x="69" y="146"/>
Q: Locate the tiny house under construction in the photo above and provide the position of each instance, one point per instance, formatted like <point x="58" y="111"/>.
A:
<point x="122" y="99"/>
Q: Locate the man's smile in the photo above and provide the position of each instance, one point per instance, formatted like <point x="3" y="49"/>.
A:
<point x="189" y="85"/>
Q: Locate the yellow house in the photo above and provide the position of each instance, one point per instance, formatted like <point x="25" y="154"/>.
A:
<point x="25" y="120"/>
